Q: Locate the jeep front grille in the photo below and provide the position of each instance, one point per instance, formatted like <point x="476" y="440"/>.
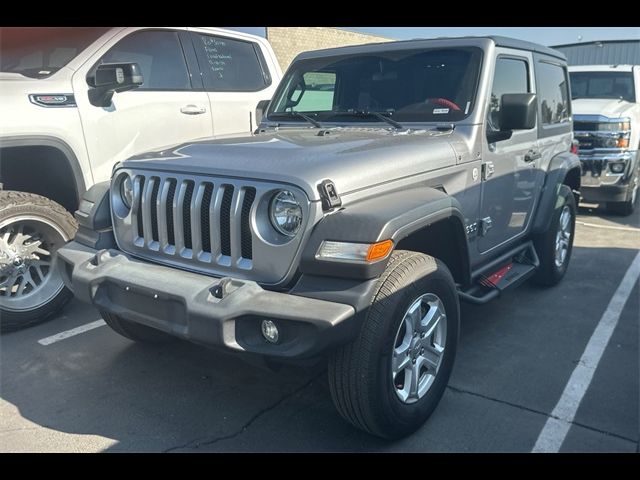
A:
<point x="203" y="223"/>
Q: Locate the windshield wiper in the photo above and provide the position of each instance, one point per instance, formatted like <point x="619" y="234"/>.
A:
<point x="294" y="113"/>
<point x="368" y="113"/>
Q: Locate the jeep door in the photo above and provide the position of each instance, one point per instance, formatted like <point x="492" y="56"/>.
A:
<point x="166" y="110"/>
<point x="236" y="78"/>
<point x="509" y="169"/>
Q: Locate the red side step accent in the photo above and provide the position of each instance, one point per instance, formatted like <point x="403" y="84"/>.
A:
<point x="492" y="280"/>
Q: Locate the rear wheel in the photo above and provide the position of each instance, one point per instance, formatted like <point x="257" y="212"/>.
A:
<point x="135" y="331"/>
<point x="555" y="245"/>
<point x="32" y="228"/>
<point x="389" y="380"/>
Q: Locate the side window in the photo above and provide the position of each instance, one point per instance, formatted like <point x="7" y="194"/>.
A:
<point x="511" y="76"/>
<point x="159" y="55"/>
<point x="230" y="65"/>
<point x="553" y="93"/>
<point x="318" y="93"/>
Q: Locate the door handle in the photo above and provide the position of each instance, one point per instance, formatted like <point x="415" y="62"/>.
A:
<point x="532" y="155"/>
<point x="193" y="110"/>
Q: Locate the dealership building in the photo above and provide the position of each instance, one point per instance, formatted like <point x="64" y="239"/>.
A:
<point x="606" y="52"/>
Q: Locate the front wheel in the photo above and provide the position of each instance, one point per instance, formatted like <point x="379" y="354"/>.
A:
<point x="554" y="246"/>
<point x="32" y="228"/>
<point x="389" y="380"/>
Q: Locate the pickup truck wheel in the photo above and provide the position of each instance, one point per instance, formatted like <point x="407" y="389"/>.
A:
<point x="389" y="380"/>
<point x="32" y="228"/>
<point x="134" y="331"/>
<point x="555" y="245"/>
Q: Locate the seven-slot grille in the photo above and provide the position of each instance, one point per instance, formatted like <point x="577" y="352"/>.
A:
<point x="203" y="220"/>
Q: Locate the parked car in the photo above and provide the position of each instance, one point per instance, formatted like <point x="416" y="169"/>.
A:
<point x="352" y="224"/>
<point x="77" y="100"/>
<point x="606" y="101"/>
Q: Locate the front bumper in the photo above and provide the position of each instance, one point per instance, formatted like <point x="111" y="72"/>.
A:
<point x="185" y="305"/>
<point x="598" y="184"/>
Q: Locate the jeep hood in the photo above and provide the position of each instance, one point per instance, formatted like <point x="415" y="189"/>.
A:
<point x="609" y="107"/>
<point x="352" y="158"/>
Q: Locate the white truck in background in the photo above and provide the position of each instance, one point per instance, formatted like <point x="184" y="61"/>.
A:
<point x="75" y="101"/>
<point x="606" y="119"/>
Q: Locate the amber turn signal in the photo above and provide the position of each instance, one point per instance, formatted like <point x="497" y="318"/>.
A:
<point x="379" y="250"/>
<point x="623" y="143"/>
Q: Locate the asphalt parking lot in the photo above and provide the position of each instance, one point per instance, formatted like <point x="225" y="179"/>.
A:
<point x="97" y="391"/>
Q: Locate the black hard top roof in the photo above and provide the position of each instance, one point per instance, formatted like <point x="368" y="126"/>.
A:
<point x="440" y="41"/>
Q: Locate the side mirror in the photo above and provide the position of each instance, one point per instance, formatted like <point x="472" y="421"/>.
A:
<point x="111" y="78"/>
<point x="260" y="109"/>
<point x="518" y="111"/>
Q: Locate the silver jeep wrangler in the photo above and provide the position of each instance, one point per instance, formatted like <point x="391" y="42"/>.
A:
<point x="385" y="184"/>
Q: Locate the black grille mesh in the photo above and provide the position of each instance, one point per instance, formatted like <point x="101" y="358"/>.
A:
<point x="171" y="239"/>
<point x="249" y="197"/>
<point x="225" y="220"/>
<point x="154" y="210"/>
<point x="204" y="217"/>
<point x="139" y="200"/>
<point x="186" y="214"/>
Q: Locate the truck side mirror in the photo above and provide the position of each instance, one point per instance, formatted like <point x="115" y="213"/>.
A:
<point x="260" y="109"/>
<point x="518" y="111"/>
<point x="110" y="78"/>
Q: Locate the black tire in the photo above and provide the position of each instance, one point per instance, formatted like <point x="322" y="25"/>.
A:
<point x="52" y="217"/>
<point x="549" y="273"/>
<point x="360" y="372"/>
<point x="135" y="331"/>
<point x="624" y="209"/>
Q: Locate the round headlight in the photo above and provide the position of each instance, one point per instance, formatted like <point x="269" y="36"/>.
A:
<point x="126" y="191"/>
<point x="285" y="213"/>
<point x="616" y="167"/>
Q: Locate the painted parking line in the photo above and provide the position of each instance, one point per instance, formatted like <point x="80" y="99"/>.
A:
<point x="608" y="227"/>
<point x="70" y="333"/>
<point x="557" y="426"/>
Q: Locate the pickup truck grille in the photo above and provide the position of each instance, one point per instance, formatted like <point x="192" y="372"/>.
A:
<point x="201" y="220"/>
<point x="204" y="223"/>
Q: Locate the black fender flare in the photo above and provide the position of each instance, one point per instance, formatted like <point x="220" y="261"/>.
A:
<point x="392" y="215"/>
<point x="54" y="142"/>
<point x="559" y="167"/>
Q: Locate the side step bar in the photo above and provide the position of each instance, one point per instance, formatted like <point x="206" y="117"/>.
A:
<point x="509" y="270"/>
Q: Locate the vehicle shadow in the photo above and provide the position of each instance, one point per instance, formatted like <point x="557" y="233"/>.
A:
<point x="183" y="397"/>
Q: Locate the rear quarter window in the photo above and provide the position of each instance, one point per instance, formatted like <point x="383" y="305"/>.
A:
<point x="553" y="93"/>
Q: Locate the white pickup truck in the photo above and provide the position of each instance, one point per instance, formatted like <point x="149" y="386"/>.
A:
<point x="75" y="101"/>
<point x="606" y="119"/>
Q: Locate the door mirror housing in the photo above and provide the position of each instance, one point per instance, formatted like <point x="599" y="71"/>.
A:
<point x="261" y="109"/>
<point x="518" y="111"/>
<point x="110" y="78"/>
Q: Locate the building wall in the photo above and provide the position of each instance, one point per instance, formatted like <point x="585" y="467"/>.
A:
<point x="287" y="42"/>
<point x="622" y="52"/>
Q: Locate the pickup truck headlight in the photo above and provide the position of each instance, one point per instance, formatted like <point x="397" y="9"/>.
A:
<point x="285" y="213"/>
<point x="126" y="190"/>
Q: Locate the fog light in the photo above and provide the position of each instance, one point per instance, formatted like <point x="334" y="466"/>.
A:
<point x="616" y="167"/>
<point x="270" y="331"/>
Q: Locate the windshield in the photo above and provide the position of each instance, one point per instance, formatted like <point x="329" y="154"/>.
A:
<point x="436" y="85"/>
<point x="602" y="85"/>
<point x="42" y="51"/>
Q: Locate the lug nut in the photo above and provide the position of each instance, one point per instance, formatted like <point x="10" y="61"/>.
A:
<point x="415" y="334"/>
<point x="413" y="361"/>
